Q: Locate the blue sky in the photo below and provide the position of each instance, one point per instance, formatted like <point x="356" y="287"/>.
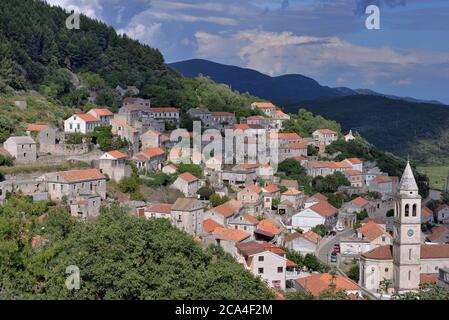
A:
<point x="323" y="39"/>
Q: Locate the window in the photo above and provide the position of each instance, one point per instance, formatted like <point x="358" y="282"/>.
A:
<point x="386" y="269"/>
<point x="407" y="210"/>
<point x="410" y="254"/>
<point x="383" y="239"/>
<point x="280" y="269"/>
<point x="261" y="258"/>
<point x="414" y="210"/>
<point x="409" y="275"/>
<point x="260" y="270"/>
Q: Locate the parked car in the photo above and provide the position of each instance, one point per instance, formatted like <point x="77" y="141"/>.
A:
<point x="336" y="248"/>
<point x="340" y="228"/>
<point x="333" y="257"/>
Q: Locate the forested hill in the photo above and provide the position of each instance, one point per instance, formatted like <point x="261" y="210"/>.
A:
<point x="418" y="130"/>
<point x="38" y="52"/>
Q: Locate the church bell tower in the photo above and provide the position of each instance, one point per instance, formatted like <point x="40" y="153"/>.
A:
<point x="407" y="234"/>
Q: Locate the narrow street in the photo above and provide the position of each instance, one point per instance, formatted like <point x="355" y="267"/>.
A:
<point x="324" y="249"/>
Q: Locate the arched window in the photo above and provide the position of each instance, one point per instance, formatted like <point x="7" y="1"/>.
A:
<point x="407" y="210"/>
<point x="414" y="210"/>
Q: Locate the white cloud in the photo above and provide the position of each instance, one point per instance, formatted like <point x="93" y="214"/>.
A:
<point x="145" y="33"/>
<point x="277" y="53"/>
<point x="90" y="8"/>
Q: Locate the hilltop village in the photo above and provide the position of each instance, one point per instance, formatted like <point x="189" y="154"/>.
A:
<point x="354" y="229"/>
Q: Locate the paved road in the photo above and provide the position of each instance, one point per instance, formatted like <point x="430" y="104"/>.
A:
<point x="324" y="249"/>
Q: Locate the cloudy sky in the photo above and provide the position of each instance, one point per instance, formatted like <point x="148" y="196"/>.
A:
<point x="323" y="39"/>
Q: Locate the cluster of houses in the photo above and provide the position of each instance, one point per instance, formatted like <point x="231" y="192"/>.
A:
<point x="262" y="213"/>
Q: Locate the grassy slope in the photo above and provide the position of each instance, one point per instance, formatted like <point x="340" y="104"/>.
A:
<point x="39" y="109"/>
<point x="437" y="175"/>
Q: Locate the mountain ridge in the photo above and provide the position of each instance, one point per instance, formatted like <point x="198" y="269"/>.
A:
<point x="285" y="89"/>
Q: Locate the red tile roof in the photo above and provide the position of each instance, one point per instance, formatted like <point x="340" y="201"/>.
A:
<point x="428" y="277"/>
<point x="326" y="131"/>
<point x="269" y="226"/>
<point x="320" y="196"/>
<point x="298" y="145"/>
<point x="287" y="136"/>
<point x="437" y="232"/>
<point x="210" y="225"/>
<point x="230" y="234"/>
<point x="434" y="251"/>
<point x="426" y="212"/>
<point x="188" y="177"/>
<point x="222" y="114"/>
<point x="316" y="284"/>
<point x="36" y="127"/>
<point x="325" y="209"/>
<point x="103" y="112"/>
<point x="159" y="208"/>
<point x="355" y="160"/>
<point x="81" y="175"/>
<point x="255" y="188"/>
<point x="153" y="152"/>
<point x="250" y="218"/>
<point x="225" y="210"/>
<point x="272" y="188"/>
<point x="428" y="251"/>
<point x="241" y="126"/>
<point x="360" y="202"/>
<point x="353" y="172"/>
<point x="372" y="231"/>
<point x="164" y="110"/>
<point x="87" y="117"/>
<point x="117" y="154"/>
<point x="264" y="105"/>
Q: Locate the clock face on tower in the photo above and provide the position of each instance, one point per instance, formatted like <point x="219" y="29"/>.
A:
<point x="410" y="232"/>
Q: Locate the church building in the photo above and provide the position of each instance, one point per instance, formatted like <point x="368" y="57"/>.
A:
<point x="408" y="262"/>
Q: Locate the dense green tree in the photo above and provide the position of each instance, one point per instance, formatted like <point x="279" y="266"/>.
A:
<point x="216" y="200"/>
<point x="194" y="169"/>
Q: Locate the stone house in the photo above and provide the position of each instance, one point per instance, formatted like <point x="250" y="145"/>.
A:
<point x="323" y="138"/>
<point x="23" y="149"/>
<point x="164" y="114"/>
<point x="246" y="222"/>
<point x="303" y="243"/>
<point x="85" y="206"/>
<point x="157" y="210"/>
<point x="103" y="114"/>
<point x="122" y="129"/>
<point x="187" y="215"/>
<point x="267" y="108"/>
<point x="355" y="177"/>
<point x="251" y="198"/>
<point x="188" y="184"/>
<point x="76" y="182"/>
<point x="113" y="163"/>
<point x="225" y="212"/>
<point x="270" y="193"/>
<point x="149" y="159"/>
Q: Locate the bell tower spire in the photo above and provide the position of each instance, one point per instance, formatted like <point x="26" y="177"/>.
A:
<point x="407" y="234"/>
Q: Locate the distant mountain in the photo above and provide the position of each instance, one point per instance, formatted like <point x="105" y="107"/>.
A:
<point x="282" y="90"/>
<point x="409" y="99"/>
